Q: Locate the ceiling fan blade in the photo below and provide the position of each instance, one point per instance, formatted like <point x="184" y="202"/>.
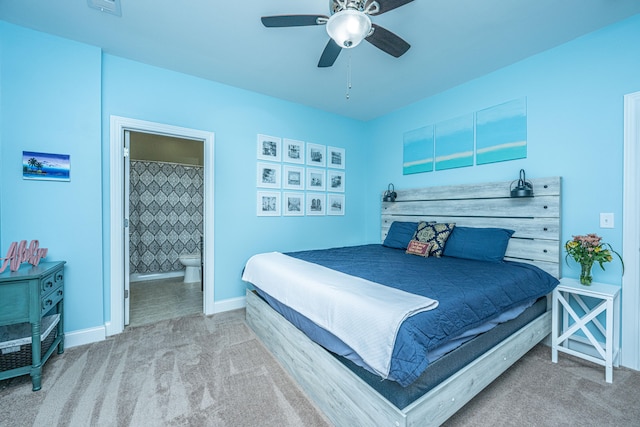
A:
<point x="387" y="41"/>
<point x="293" y="20"/>
<point x="387" y="5"/>
<point x="330" y="54"/>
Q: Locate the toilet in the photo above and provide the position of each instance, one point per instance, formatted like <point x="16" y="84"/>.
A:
<point x="192" y="267"/>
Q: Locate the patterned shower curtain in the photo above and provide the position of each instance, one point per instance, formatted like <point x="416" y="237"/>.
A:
<point x="165" y="214"/>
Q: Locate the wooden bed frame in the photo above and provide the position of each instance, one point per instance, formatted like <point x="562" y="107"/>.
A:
<point x="349" y="401"/>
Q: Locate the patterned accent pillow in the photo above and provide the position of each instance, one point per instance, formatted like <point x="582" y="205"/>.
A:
<point x="421" y="229"/>
<point x="417" y="247"/>
<point x="434" y="233"/>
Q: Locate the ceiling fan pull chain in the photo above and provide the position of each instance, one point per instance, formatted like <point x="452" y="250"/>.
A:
<point x="349" y="78"/>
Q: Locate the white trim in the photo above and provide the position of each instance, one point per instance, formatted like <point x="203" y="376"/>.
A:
<point x="99" y="333"/>
<point x="126" y="236"/>
<point x="85" y="336"/>
<point x="230" y="304"/>
<point x="630" y="354"/>
<point x="117" y="128"/>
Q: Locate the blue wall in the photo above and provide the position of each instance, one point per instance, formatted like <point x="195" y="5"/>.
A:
<point x="1" y="139"/>
<point x="57" y="96"/>
<point x="575" y="130"/>
<point x="135" y="90"/>
<point x="51" y="103"/>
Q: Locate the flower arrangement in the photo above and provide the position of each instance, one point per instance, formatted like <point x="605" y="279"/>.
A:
<point x="586" y="250"/>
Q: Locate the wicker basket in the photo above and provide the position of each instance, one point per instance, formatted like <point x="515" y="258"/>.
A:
<point x="12" y="357"/>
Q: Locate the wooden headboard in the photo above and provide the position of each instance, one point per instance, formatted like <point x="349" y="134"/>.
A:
<point x="536" y="220"/>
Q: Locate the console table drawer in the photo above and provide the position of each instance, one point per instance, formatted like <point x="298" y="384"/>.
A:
<point x="52" y="282"/>
<point x="48" y="284"/>
<point x="49" y="301"/>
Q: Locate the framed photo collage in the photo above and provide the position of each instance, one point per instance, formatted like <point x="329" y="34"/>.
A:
<point x="295" y="178"/>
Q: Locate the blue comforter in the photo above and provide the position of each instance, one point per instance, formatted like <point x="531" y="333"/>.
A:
<point x="469" y="294"/>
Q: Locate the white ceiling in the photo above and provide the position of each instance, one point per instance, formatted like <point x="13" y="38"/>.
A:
<point x="452" y="41"/>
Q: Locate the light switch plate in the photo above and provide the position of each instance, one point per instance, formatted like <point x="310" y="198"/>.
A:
<point x="606" y="220"/>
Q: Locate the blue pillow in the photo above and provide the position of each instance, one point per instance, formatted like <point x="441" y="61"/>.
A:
<point x="399" y="235"/>
<point x="482" y="244"/>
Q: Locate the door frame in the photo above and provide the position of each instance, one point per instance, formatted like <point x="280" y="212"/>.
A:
<point x="630" y="352"/>
<point x="126" y="231"/>
<point x="117" y="127"/>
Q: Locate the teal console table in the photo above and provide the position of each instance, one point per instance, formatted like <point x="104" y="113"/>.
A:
<point x="27" y="295"/>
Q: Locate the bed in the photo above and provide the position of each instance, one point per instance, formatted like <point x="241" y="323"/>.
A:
<point x="350" y="395"/>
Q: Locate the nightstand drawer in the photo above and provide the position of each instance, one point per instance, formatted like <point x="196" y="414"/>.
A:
<point x="51" y="300"/>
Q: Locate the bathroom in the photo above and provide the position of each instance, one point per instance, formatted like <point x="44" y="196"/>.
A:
<point x="166" y="221"/>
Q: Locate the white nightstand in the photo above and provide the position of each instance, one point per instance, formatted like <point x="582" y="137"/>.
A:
<point x="563" y="334"/>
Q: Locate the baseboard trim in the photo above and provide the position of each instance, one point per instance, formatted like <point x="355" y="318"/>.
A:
<point x="229" y="304"/>
<point x="99" y="333"/>
<point x="84" y="336"/>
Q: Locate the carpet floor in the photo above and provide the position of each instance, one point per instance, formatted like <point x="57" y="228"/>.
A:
<point x="536" y="392"/>
<point x="190" y="371"/>
<point x="213" y="371"/>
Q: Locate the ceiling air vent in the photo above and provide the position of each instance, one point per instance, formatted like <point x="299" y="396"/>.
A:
<point x="108" y="6"/>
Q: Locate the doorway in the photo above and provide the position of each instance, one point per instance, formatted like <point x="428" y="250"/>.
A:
<point x="118" y="263"/>
<point x="164" y="200"/>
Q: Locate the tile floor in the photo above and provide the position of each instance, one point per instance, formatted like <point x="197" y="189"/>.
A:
<point x="155" y="300"/>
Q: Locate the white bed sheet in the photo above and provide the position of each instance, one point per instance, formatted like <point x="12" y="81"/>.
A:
<point x="364" y="315"/>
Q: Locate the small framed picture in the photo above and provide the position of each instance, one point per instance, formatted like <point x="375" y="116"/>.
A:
<point x="46" y="166"/>
<point x="335" y="156"/>
<point x="316" y="179"/>
<point x="269" y="148"/>
<point x="316" y="154"/>
<point x="335" y="204"/>
<point x="293" y="151"/>
<point x="293" y="204"/>
<point x="315" y="203"/>
<point x="268" y="203"/>
<point x="335" y="181"/>
<point x="293" y="177"/>
<point x="268" y="175"/>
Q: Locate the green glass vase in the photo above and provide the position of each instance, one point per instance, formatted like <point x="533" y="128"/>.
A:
<point x="585" y="273"/>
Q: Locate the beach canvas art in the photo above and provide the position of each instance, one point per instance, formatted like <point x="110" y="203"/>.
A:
<point x="418" y="151"/>
<point x="501" y="132"/>
<point x="454" y="143"/>
<point x="46" y="166"/>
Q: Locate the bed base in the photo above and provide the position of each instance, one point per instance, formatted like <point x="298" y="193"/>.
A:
<point x="347" y="400"/>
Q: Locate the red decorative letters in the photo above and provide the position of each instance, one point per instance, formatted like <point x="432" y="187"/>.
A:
<point x="19" y="253"/>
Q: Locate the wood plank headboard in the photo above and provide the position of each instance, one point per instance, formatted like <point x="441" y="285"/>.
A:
<point x="536" y="220"/>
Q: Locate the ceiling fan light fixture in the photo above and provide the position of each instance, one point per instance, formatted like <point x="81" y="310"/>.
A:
<point x="107" y="6"/>
<point x="348" y="27"/>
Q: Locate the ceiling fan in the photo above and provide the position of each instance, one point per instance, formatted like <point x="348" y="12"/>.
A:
<point x="347" y="26"/>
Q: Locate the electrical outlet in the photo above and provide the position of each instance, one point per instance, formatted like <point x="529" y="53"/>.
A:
<point x="606" y="220"/>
